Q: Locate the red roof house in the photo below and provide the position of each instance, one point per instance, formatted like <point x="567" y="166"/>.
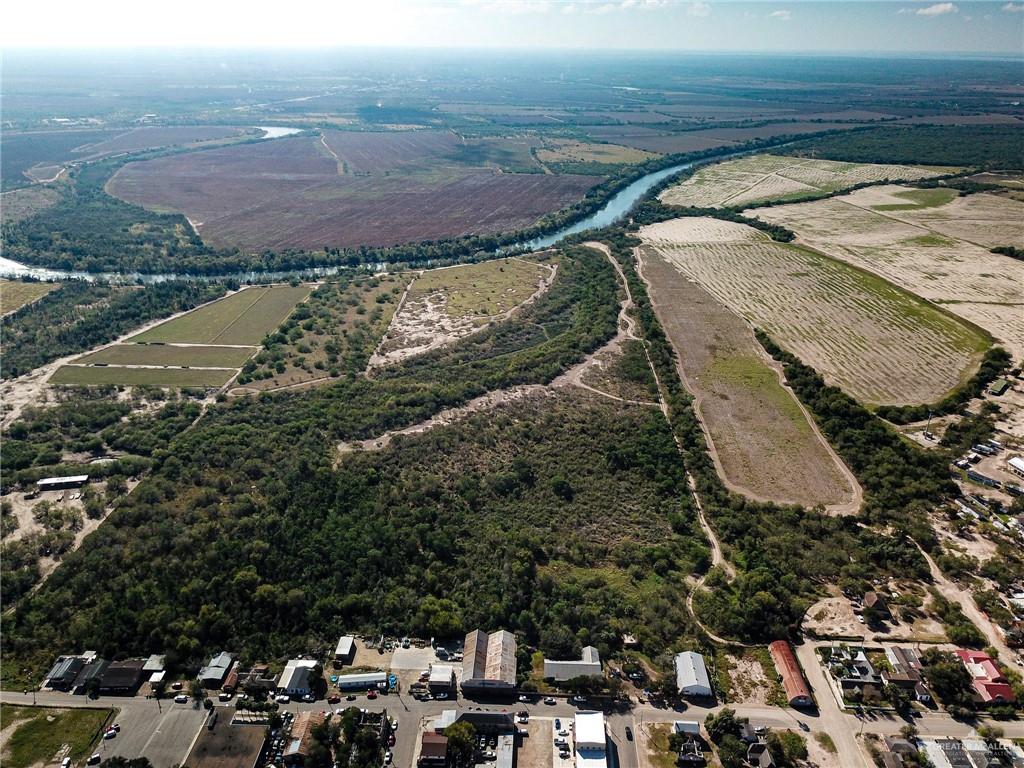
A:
<point x="990" y="684"/>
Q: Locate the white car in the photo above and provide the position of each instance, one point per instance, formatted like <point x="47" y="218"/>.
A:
<point x="388" y="756"/>
<point x="181" y="698"/>
<point x="65" y="763"/>
<point x="282" y="698"/>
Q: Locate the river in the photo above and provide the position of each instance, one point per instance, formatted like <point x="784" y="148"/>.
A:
<point x="612" y="211"/>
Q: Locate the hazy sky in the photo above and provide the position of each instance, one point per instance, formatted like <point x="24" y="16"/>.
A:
<point x="765" y="25"/>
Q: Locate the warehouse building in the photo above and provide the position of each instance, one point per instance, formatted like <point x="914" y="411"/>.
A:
<point x="345" y="651"/>
<point x="122" y="678"/>
<point x="297" y="748"/>
<point x="798" y="693"/>
<point x="298" y="677"/>
<point x="692" y="675"/>
<point x="442" y="678"/>
<point x="588" y="666"/>
<point x="213" y="674"/>
<point x="591" y="741"/>
<point x="489" y="662"/>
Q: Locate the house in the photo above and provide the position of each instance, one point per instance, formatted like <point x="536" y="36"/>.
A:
<point x="213" y="674"/>
<point x="900" y="746"/>
<point x="690" y="753"/>
<point x="489" y="662"/>
<point x="692" y="675"/>
<point x="798" y="693"/>
<point x="61" y="483"/>
<point x="905" y="672"/>
<point x="362" y="681"/>
<point x="298" y="677"/>
<point x="154" y="663"/>
<point x="990" y="685"/>
<point x="433" y="750"/>
<point x="590" y="739"/>
<point x="853" y="671"/>
<point x="255" y="679"/>
<point x="296" y="750"/>
<point x="345" y="651"/>
<point x="759" y="756"/>
<point x="89" y="678"/>
<point x="587" y="666"/>
<point x="689" y="728"/>
<point x="442" y="678"/>
<point x="877" y="604"/>
<point x="63" y="673"/>
<point x="122" y="678"/>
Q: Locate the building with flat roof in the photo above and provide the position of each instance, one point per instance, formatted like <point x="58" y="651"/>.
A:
<point x="590" y="740"/>
<point x="61" y="483"/>
<point x="298" y="677"/>
<point x="345" y="651"/>
<point x="692" y="675"/>
<point x="442" y="678"/>
<point x="798" y="693"/>
<point x="433" y="750"/>
<point x="483" y="722"/>
<point x="122" y="677"/>
<point x="154" y="663"/>
<point x="1017" y="465"/>
<point x="489" y="661"/>
<point x="589" y="665"/>
<point x="363" y="680"/>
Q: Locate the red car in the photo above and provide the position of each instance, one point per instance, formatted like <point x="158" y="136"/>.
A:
<point x="333" y="698"/>
<point x="371" y="694"/>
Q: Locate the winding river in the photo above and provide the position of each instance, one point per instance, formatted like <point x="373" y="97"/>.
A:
<point x="612" y="211"/>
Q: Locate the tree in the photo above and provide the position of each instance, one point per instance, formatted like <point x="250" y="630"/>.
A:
<point x="787" y="747"/>
<point x="725" y="723"/>
<point x="732" y="752"/>
<point x="197" y="692"/>
<point x="948" y="678"/>
<point x="461" y="743"/>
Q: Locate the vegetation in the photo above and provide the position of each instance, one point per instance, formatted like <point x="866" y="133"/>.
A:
<point x="38" y="738"/>
<point x="79" y="315"/>
<point x="15" y="294"/>
<point x="1009" y="250"/>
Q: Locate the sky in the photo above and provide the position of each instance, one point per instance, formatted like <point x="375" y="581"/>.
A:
<point x="831" y="26"/>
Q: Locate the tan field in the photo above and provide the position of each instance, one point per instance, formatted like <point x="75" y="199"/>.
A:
<point x="590" y="152"/>
<point x="760" y="178"/>
<point x="938" y="252"/>
<point x="882" y="345"/>
<point x="763" y="443"/>
<point x="15" y="294"/>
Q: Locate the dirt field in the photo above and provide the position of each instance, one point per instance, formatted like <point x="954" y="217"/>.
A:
<point x="771" y="177"/>
<point x="589" y="152"/>
<point x="939" y="253"/>
<point x="763" y="443"/>
<point x="167" y="354"/>
<point x="242" y="318"/>
<point x="343" y="190"/>
<point x="443" y="305"/>
<point x="881" y="344"/>
<point x="662" y="142"/>
<point x="15" y="294"/>
<point x="19" y="204"/>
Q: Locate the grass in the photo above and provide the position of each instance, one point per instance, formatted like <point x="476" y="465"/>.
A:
<point x="45" y="731"/>
<point x="826" y="742"/>
<point x="591" y="152"/>
<point x="15" y="294"/>
<point x="658" y="752"/>
<point x="486" y="289"/>
<point x="919" y="198"/>
<point x="71" y="375"/>
<point x="245" y="317"/>
<point x="752" y="374"/>
<point x="161" y="354"/>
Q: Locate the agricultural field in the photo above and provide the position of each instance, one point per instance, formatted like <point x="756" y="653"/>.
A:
<point x="442" y="305"/>
<point x="663" y="142"/>
<point x="173" y="378"/>
<point x="45" y="735"/>
<point x="15" y="294"/>
<point x="761" y="178"/>
<point x="190" y="355"/>
<point x="243" y="318"/>
<point x="879" y="343"/>
<point x="344" y="190"/>
<point x="568" y="151"/>
<point x="937" y="251"/>
<point x="335" y="331"/>
<point x="763" y="443"/>
<point x="19" y="204"/>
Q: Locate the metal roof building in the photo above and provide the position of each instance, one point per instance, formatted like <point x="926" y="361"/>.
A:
<point x="58" y="483"/>
<point x="588" y="666"/>
<point x="345" y="650"/>
<point x="591" y="742"/>
<point x="798" y="693"/>
<point x="692" y="675"/>
<point x="489" y="661"/>
<point x="296" y="677"/>
<point x="213" y="674"/>
<point x="362" y="680"/>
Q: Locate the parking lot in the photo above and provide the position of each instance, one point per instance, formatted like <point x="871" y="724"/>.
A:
<point x="167" y="744"/>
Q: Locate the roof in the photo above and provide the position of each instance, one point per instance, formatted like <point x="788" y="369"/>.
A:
<point x="789" y="669"/>
<point x="345" y="646"/>
<point x="490" y="657"/>
<point x="154" y="663"/>
<point x="989" y="683"/>
<point x="589" y="729"/>
<point x="122" y="674"/>
<point x="1017" y="463"/>
<point x="218" y="666"/>
<point x="589" y="665"/>
<point x="999" y="386"/>
<point x="441" y="674"/>
<point x="296" y="674"/>
<point x="362" y="678"/>
<point x="65" y="479"/>
<point x="433" y="745"/>
<point x="305" y="721"/>
<point x="686" y="726"/>
<point x="691" y="671"/>
<point x="66" y="667"/>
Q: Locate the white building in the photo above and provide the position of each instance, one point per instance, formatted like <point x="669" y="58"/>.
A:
<point x="591" y="742"/>
<point x="692" y="675"/>
<point x="588" y="666"/>
<point x="442" y="677"/>
<point x="297" y="678"/>
<point x="345" y="650"/>
<point x="1017" y="465"/>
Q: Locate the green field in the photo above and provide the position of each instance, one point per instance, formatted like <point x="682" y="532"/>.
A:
<point x="245" y="317"/>
<point x="162" y="354"/>
<point x="14" y="294"/>
<point x="158" y="377"/>
<point x="485" y="289"/>
<point x="36" y="740"/>
<point x="919" y="198"/>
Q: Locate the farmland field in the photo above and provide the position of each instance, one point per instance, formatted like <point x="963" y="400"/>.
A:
<point x="446" y="304"/>
<point x="81" y="375"/>
<point x="587" y="152"/>
<point x="940" y="253"/>
<point x="879" y="343"/>
<point x="344" y="190"/>
<point x="760" y="178"/>
<point x="244" y="318"/>
<point x="654" y="140"/>
<point x="15" y="294"/>
<point x="763" y="443"/>
<point x="166" y="354"/>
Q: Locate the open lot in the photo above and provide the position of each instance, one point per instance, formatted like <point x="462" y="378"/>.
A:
<point x="15" y="294"/>
<point x="939" y="252"/>
<point x="566" y="151"/>
<point x="162" y="734"/>
<point x="879" y="343"/>
<point x="167" y="354"/>
<point x="758" y="178"/>
<point x="242" y="318"/>
<point x="34" y="736"/>
<point x="344" y="190"/>
<point x="442" y="305"/>
<point x="227" y="745"/>
<point x="83" y="375"/>
<point x="763" y="443"/>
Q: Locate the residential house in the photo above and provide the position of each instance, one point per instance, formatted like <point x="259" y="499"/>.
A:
<point x="433" y="750"/>
<point x="759" y="756"/>
<point x="905" y="672"/>
<point x="990" y="685"/>
<point x="297" y="748"/>
<point x="877" y="604"/>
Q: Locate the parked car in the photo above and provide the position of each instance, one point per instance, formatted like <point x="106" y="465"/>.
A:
<point x="181" y="698"/>
<point x="309" y="697"/>
<point x="549" y="700"/>
<point x="558" y="724"/>
<point x="224" y="696"/>
<point x="577" y="699"/>
<point x="372" y="693"/>
<point x="629" y="733"/>
<point x="387" y="757"/>
<point x="563" y="732"/>
<point x="176" y="686"/>
<point x="116" y="727"/>
<point x="523" y="697"/>
<point x="94" y="759"/>
<point x="441" y="696"/>
<point x="65" y="763"/>
<point x="333" y="698"/>
<point x="282" y="698"/>
<point x="350" y="697"/>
